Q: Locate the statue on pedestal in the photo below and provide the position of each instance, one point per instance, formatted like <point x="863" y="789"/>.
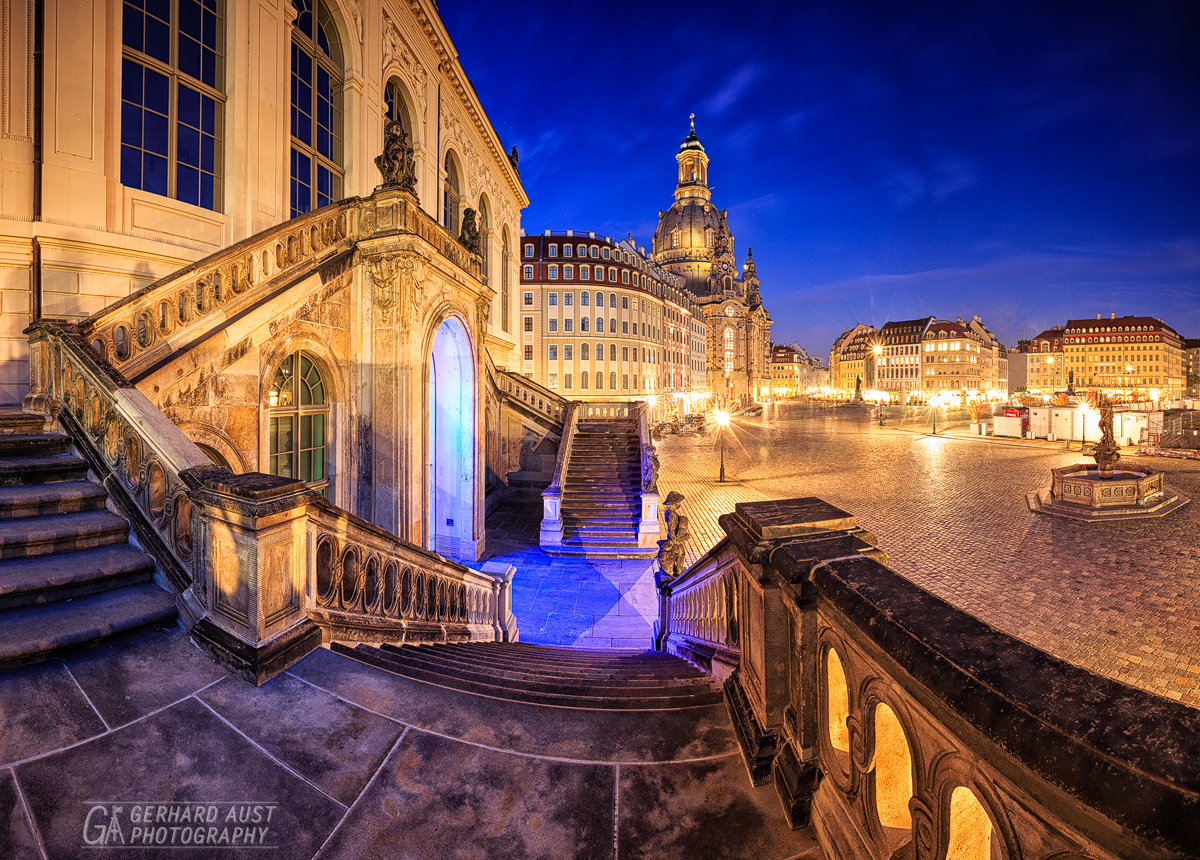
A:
<point x="1106" y="453"/>
<point x="469" y="234"/>
<point x="672" y="551"/>
<point x="396" y="162"/>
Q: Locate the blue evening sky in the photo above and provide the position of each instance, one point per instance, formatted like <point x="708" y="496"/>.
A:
<point x="1029" y="162"/>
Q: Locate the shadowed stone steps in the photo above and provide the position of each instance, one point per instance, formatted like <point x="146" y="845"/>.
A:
<point x="56" y="497"/>
<point x="45" y="579"/>
<point x="672" y="683"/>
<point x="68" y="575"/>
<point x="635" y="675"/>
<point x="35" y="632"/>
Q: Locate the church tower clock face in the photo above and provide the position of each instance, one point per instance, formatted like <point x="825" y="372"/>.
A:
<point x="729" y="311"/>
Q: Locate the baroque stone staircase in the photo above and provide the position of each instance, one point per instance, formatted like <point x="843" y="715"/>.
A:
<point x="68" y="574"/>
<point x="601" y="500"/>
<point x="608" y="680"/>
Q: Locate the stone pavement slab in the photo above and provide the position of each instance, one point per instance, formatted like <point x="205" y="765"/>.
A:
<point x="331" y="743"/>
<point x="438" y="799"/>
<point x="704" y="809"/>
<point x="184" y="754"/>
<point x="133" y="677"/>
<point x="42" y="709"/>
<point x="15" y="836"/>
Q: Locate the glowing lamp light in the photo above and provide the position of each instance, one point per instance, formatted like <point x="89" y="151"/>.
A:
<point x="722" y="417"/>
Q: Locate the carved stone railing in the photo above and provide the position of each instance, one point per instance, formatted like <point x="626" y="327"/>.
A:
<point x="389" y="212"/>
<point x="367" y="585"/>
<point x="698" y="613"/>
<point x="900" y="725"/>
<point x="551" y="533"/>
<point x="143" y="460"/>
<point x="648" y="460"/>
<point x="140" y="331"/>
<point x="599" y="410"/>
<point x="527" y="394"/>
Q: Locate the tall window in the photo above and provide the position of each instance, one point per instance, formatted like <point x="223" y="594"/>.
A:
<point x="504" y="282"/>
<point x="395" y="108"/>
<point x="485" y="226"/>
<point x="299" y="416"/>
<point x="729" y="350"/>
<point x="171" y="101"/>
<point x="450" y="196"/>
<point x="316" y="108"/>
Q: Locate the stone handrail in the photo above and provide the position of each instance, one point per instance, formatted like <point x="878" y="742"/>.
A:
<point x="551" y="533"/>
<point x="698" y="612"/>
<point x="530" y="395"/>
<point x="367" y="585"/>
<point x="138" y="332"/>
<point x="648" y="463"/>
<point x="900" y="725"/>
<point x="143" y="460"/>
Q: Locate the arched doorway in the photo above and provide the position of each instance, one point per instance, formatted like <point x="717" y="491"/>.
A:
<point x="452" y="442"/>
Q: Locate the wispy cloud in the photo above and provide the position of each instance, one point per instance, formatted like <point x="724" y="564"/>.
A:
<point x="733" y="90"/>
<point x="907" y="184"/>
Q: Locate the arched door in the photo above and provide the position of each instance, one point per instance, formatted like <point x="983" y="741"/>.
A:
<point x="452" y="442"/>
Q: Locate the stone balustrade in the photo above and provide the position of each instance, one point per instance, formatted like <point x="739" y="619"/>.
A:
<point x="366" y="585"/>
<point x="648" y="525"/>
<point x="698" y="613"/>
<point x="593" y="410"/>
<point x="551" y="533"/>
<point x="528" y="394"/>
<point x="138" y="332"/>
<point x="901" y="726"/>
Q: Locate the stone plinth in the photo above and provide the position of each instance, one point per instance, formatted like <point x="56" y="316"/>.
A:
<point x="251" y="574"/>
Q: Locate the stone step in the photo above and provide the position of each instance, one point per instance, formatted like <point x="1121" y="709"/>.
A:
<point x="596" y="699"/>
<point x="572" y="548"/>
<point x="37" y="632"/>
<point x="65" y="576"/>
<point x="33" y="445"/>
<point x="63" y="533"/>
<point x="573" y="660"/>
<point x="56" y="497"/>
<point x="537" y="677"/>
<point x="39" y="470"/>
<point x="633" y="668"/>
<point x="13" y="420"/>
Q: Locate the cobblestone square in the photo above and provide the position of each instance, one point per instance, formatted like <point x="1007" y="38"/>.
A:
<point x="1118" y="598"/>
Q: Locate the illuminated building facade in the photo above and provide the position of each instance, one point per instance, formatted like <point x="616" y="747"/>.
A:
<point x="693" y="241"/>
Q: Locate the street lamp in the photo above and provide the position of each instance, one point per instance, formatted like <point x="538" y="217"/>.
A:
<point x="722" y="422"/>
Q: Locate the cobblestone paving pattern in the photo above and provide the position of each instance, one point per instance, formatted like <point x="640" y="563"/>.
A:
<point x="1118" y="598"/>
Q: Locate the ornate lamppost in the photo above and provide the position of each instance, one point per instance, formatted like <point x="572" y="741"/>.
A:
<point x="722" y="423"/>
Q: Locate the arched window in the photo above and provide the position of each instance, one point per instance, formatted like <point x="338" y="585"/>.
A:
<point x="316" y="166"/>
<point x="612" y="380"/>
<point x="172" y="103"/>
<point x="485" y="224"/>
<point x="583" y="378"/>
<point x="599" y="380"/>
<point x="450" y="195"/>
<point x="599" y="300"/>
<point x="599" y="352"/>
<point x="504" y="290"/>
<point x="299" y="422"/>
<point x="729" y="350"/>
<point x="612" y="353"/>
<point x="395" y="108"/>
<point x="584" y="351"/>
<point x="612" y="300"/>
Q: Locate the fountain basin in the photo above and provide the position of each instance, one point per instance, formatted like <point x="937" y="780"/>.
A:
<point x="1079" y="492"/>
<point x="1081" y="485"/>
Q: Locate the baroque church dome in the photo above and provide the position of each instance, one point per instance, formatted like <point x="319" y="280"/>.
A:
<point x="693" y="231"/>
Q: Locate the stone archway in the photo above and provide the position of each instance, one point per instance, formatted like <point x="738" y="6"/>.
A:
<point x="452" y="442"/>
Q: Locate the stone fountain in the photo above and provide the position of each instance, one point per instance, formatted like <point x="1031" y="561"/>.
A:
<point x="1102" y="491"/>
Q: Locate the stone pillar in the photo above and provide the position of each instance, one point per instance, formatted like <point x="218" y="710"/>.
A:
<point x="251" y="573"/>
<point x="552" y="526"/>
<point x="775" y="677"/>
<point x="648" y="532"/>
<point x="504" y="622"/>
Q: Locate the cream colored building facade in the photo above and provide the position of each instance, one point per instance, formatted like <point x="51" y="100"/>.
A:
<point x="591" y="318"/>
<point x="81" y="228"/>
